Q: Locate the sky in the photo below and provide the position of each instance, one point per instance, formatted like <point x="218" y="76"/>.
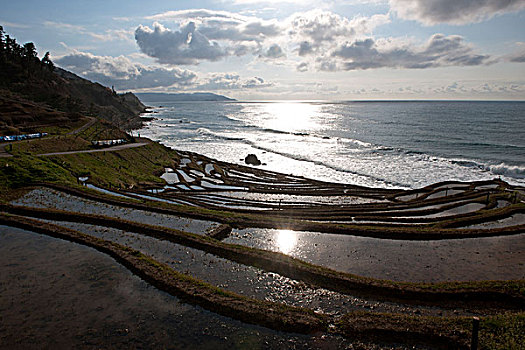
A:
<point x="285" y="49"/>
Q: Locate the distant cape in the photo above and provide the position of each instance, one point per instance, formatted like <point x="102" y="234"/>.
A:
<point x="165" y="97"/>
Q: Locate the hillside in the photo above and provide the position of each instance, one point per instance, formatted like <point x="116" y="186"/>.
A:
<point x="22" y="116"/>
<point x="197" y="96"/>
<point x="25" y="77"/>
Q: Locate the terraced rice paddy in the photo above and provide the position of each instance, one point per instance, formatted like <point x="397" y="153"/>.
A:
<point x="356" y="246"/>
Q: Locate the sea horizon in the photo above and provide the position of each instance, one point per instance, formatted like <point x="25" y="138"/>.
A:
<point x="339" y="100"/>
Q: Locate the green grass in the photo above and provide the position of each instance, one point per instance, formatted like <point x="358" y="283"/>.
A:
<point x="63" y="129"/>
<point x="141" y="165"/>
<point x="102" y="130"/>
<point x="23" y="170"/>
<point x="502" y="332"/>
<point x="62" y="143"/>
<point x="505" y="331"/>
<point x="124" y="168"/>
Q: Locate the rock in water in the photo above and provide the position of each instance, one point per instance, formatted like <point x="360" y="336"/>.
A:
<point x="252" y="160"/>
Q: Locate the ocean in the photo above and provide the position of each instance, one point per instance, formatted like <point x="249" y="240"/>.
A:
<point x="405" y="144"/>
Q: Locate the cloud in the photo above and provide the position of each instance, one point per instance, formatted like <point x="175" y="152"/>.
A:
<point x="315" y="39"/>
<point x="326" y="64"/>
<point x="187" y="46"/>
<point x="274" y="52"/>
<point x="230" y="81"/>
<point x="315" y="30"/>
<point x="14" y="25"/>
<point x="430" y="12"/>
<point x="122" y="73"/>
<point x="217" y="25"/>
<point x="113" y="35"/>
<point x="457" y="89"/>
<point x="489" y="88"/>
<point x="302" y="67"/>
<point x="305" y="48"/>
<point x="205" y="35"/>
<point x="517" y="56"/>
<point x="316" y="3"/>
<point x="109" y="35"/>
<point x="65" y="26"/>
<point x="439" y="51"/>
<point x="197" y="14"/>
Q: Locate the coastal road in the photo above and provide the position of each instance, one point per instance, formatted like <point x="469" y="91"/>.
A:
<point x="108" y="149"/>
<point x="5" y="154"/>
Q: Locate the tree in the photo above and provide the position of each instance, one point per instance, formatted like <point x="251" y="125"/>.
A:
<point x="29" y="51"/>
<point x="2" y="44"/>
<point x="10" y="45"/>
<point x="2" y="40"/>
<point x="46" y="61"/>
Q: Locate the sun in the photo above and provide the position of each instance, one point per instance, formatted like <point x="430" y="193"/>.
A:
<point x="286" y="240"/>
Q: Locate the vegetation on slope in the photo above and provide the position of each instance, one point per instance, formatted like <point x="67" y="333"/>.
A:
<point x="24" y="76"/>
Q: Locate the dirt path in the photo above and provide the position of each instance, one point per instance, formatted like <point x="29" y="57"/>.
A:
<point x="109" y="149"/>
<point x="83" y="127"/>
<point x="5" y="154"/>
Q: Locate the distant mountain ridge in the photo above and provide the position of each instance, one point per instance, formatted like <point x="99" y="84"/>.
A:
<point x="168" y="97"/>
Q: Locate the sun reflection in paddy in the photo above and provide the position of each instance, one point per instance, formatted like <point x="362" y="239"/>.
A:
<point x="286" y="240"/>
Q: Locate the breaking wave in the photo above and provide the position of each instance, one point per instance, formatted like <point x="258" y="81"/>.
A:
<point x="502" y="169"/>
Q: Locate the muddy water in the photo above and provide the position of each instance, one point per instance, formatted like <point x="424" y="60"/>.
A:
<point x="494" y="258"/>
<point x="463" y="209"/>
<point x="48" y="284"/>
<point x="516" y="219"/>
<point x="247" y="280"/>
<point x="433" y="261"/>
<point x="47" y="198"/>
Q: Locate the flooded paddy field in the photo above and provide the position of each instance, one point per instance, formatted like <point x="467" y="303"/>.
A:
<point x="248" y="280"/>
<point x="50" y="284"/>
<point x="516" y="219"/>
<point x="488" y="258"/>
<point x="485" y="258"/>
<point x="49" y="198"/>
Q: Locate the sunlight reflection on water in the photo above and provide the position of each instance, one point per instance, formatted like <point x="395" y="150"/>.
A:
<point x="286" y="240"/>
<point x="290" y="116"/>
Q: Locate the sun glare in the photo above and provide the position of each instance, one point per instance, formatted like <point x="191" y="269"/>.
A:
<point x="291" y="116"/>
<point x="286" y="240"/>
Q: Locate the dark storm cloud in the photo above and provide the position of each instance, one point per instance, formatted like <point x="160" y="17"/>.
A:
<point x="439" y="51"/>
<point x="453" y="11"/>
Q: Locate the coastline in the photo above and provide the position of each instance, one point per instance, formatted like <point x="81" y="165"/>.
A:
<point x="350" y="142"/>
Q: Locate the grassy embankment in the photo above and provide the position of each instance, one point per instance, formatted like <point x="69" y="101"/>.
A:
<point x="125" y="168"/>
